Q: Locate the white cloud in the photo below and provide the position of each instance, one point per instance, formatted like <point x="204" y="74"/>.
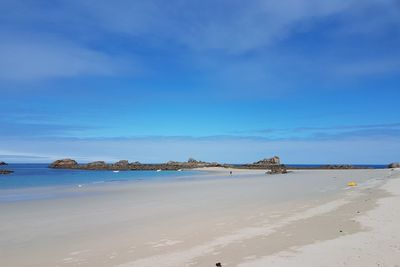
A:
<point x="230" y="26"/>
<point x="256" y="24"/>
<point x="207" y="28"/>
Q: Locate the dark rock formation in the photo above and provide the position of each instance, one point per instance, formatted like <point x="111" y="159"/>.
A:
<point x="192" y="163"/>
<point x="339" y="167"/>
<point x="3" y="163"/>
<point x="273" y="165"/>
<point x="192" y="160"/>
<point x="121" y="165"/>
<point x="276" y="169"/>
<point x="394" y="165"/>
<point x="96" y="165"/>
<point x="64" y="164"/>
<point x="269" y="161"/>
<point x="125" y="165"/>
<point x="328" y="167"/>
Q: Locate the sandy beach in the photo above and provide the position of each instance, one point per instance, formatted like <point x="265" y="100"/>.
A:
<point x="199" y="133"/>
<point x="303" y="218"/>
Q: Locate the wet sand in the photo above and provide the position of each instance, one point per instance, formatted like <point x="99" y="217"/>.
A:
<point x="247" y="219"/>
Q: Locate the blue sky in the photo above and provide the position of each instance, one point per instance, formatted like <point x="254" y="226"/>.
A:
<point x="231" y="81"/>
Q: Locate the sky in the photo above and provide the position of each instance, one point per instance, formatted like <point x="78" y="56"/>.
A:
<point x="234" y="81"/>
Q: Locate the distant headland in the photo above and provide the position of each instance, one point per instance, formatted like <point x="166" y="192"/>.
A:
<point x="271" y="164"/>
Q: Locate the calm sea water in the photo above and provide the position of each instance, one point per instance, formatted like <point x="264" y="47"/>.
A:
<point x="37" y="181"/>
<point x="39" y="175"/>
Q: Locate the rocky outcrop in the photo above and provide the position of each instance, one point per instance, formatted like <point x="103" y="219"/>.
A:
<point x="269" y="161"/>
<point x="394" y="165"/>
<point x="121" y="165"/>
<point x="3" y="163"/>
<point x="125" y="165"/>
<point x="64" y="164"/>
<point x="171" y="162"/>
<point x="192" y="160"/>
<point x="277" y="169"/>
<point x="339" y="167"/>
<point x="96" y="165"/>
<point x="175" y="165"/>
<point x="272" y="165"/>
<point x="329" y="167"/>
<point x="192" y="163"/>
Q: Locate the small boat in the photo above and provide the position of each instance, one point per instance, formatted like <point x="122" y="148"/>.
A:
<point x="158" y="170"/>
<point x="179" y="170"/>
<point x="115" y="171"/>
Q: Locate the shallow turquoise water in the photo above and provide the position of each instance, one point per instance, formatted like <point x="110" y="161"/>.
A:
<point x="39" y="175"/>
<point x="37" y="181"/>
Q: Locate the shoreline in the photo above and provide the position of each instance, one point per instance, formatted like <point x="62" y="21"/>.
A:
<point x="244" y="221"/>
<point x="376" y="243"/>
<point x="203" y="174"/>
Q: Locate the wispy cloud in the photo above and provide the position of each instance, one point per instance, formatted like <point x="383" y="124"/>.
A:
<point x="388" y="130"/>
<point x="350" y="127"/>
<point x="226" y="26"/>
<point x="18" y="129"/>
<point x="127" y="64"/>
<point x="229" y="149"/>
<point x="74" y="38"/>
<point x="24" y="59"/>
<point x="16" y="157"/>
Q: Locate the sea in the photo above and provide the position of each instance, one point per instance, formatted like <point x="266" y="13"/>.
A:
<point x="40" y="175"/>
<point x="27" y="175"/>
<point x="38" y="181"/>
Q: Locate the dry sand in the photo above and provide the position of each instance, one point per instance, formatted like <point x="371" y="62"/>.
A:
<point x="304" y="218"/>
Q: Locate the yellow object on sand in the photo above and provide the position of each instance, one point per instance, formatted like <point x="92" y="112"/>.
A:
<point x="351" y="184"/>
